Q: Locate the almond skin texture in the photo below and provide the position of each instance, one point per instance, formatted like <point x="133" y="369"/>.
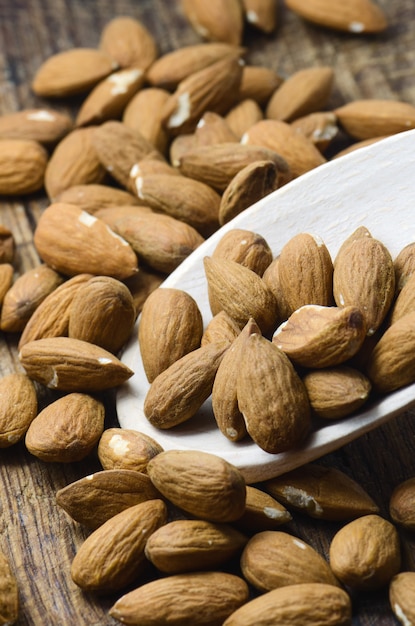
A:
<point x="402" y="597"/>
<point x="402" y="504"/>
<point x="45" y="126"/>
<point x="365" y="554"/>
<point x="144" y="112"/>
<point x="179" y="391"/>
<point x="359" y="16"/>
<point x="220" y="20"/>
<point x="18" y="407"/>
<point x="170" y="326"/>
<point x="23" y="164"/>
<point x="313" y="604"/>
<point x="9" y="593"/>
<point x="245" y="247"/>
<point x="221" y="329"/>
<point x="91" y="197"/>
<point x="193" y="545"/>
<point x="94" y="499"/>
<point x="72" y="242"/>
<point x="273" y="559"/>
<point x="200" y="483"/>
<point x="366" y="119"/>
<point x="66" y="430"/>
<point x="176" y="600"/>
<point x="128" y="42"/>
<point x="123" y="448"/>
<point x="72" y="365"/>
<point x="271" y="397"/>
<point x="72" y="72"/>
<point x="113" y="555"/>
<point x="321" y="492"/>
<point x="243" y="115"/>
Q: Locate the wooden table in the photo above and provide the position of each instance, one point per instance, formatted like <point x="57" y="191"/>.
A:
<point x="36" y="535"/>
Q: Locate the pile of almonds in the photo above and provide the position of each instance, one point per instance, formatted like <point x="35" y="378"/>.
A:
<point x="162" y="151"/>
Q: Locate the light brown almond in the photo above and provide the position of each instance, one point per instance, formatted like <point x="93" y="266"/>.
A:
<point x="320" y="127"/>
<point x="23" y="164"/>
<point x="18" y="407"/>
<point x="44" y="125"/>
<point x="262" y="512"/>
<point x="123" y="448"/>
<point x="404" y="265"/>
<point x="258" y="83"/>
<point x="245" y="247"/>
<point x="365" y="119"/>
<point x="129" y="42"/>
<point x="220" y="329"/>
<point x="402" y="504"/>
<point x="404" y="302"/>
<point x="402" y="597"/>
<point x="211" y="129"/>
<point x="94" y="197"/>
<point x="7" y="245"/>
<point x="261" y="13"/>
<point x="144" y="113"/>
<point x="6" y="279"/>
<point x="244" y="115"/>
<point x="220" y="20"/>
<point x="359" y="16"/>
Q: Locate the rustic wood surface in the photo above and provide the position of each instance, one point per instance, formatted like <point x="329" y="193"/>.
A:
<point x="38" y="537"/>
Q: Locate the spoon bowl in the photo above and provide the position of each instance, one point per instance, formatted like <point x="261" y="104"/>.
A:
<point x="372" y="187"/>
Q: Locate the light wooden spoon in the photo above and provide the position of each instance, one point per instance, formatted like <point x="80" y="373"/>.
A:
<point x="372" y="187"/>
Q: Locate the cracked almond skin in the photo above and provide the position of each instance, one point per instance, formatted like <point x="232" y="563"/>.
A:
<point x="313" y="604"/>
<point x="321" y="492"/>
<point x="123" y="448"/>
<point x="112" y="556"/>
<point x="356" y="16"/>
<point x="402" y="597"/>
<point x="271" y="397"/>
<point x="365" y="554"/>
<point x="178" y="392"/>
<point x="171" y="326"/>
<point x="200" y="483"/>
<point x="316" y="336"/>
<point x="177" y="600"/>
<point x="18" y="407"/>
<point x="72" y="365"/>
<point x="402" y="504"/>
<point x="273" y="559"/>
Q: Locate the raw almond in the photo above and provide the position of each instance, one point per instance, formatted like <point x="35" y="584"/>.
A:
<point x="246" y="248"/>
<point x="45" y="126"/>
<point x="72" y="72"/>
<point x="261" y="13"/>
<point x="241" y="293"/>
<point x="143" y="284"/>
<point x="271" y="277"/>
<point x="317" y="336"/>
<point x="193" y="545"/>
<point x="273" y="559"/>
<point x="72" y="365"/>
<point x="112" y="557"/>
<point x="262" y="512"/>
<point x="365" y="554"/>
<point x="404" y="265"/>
<point x="7" y="245"/>
<point x="321" y="492"/>
<point x="67" y="429"/>
<point x="25" y="295"/>
<point x="306" y="91"/>
<point x="179" y="391"/>
<point x="73" y="162"/>
<point x="170" y="326"/>
<point x="313" y="604"/>
<point x="404" y="302"/>
<point x="258" y="83"/>
<point x="94" y="197"/>
<point x="72" y="241"/>
<point x="244" y="115"/>
<point x="18" y="407"/>
<point x="220" y="20"/>
<point x="402" y="504"/>
<point x="128" y="41"/>
<point x="123" y="448"/>
<point x="9" y="592"/>
<point x="200" y="483"/>
<point x="212" y="128"/>
<point x="359" y="16"/>
<point x="144" y="113"/>
<point x="177" y="599"/>
<point x="364" y="119"/>
<point x="23" y="164"/>
<point x="102" y="312"/>
<point x="320" y="127"/>
<point x="221" y="329"/>
<point x="94" y="499"/>
<point x="271" y="397"/>
<point x="402" y="597"/>
<point x="6" y="279"/>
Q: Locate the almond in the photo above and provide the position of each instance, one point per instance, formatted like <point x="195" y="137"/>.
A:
<point x="200" y="483"/>
<point x="261" y="13"/>
<point x="72" y="241"/>
<point x="220" y="20"/>
<point x="320" y="127"/>
<point x="46" y="126"/>
<point x="112" y="556"/>
<point x="402" y="598"/>
<point x="94" y="499"/>
<point x="7" y="245"/>
<point x="178" y="599"/>
<point x="404" y="265"/>
<point x="72" y="365"/>
<point x="171" y="326"/>
<point x="306" y="91"/>
<point x="67" y="429"/>
<point x="142" y="284"/>
<point x="245" y="247"/>
<point x="271" y="278"/>
<point x="143" y="113"/>
<point x="72" y="72"/>
<point x="93" y="197"/>
<point x="313" y="604"/>
<point x="193" y="545"/>
<point x="243" y="115"/>
<point x="364" y="119"/>
<point x="262" y="512"/>
<point x="321" y="492"/>
<point x="25" y="295"/>
<point x="221" y="329"/>
<point x="6" y="279"/>
<point x="123" y="448"/>
<point x="359" y="16"/>
<point x="365" y="554"/>
<point x="102" y="312"/>
<point x="271" y="397"/>
<point x="402" y="504"/>
<point x="258" y="83"/>
<point x="9" y="592"/>
<point x="23" y="164"/>
<point x="73" y="162"/>
<point x="179" y="391"/>
<point x="211" y="129"/>
<point x="404" y="302"/>
<point x="273" y="559"/>
<point x="128" y="41"/>
<point x="18" y="407"/>
<point x="321" y="336"/>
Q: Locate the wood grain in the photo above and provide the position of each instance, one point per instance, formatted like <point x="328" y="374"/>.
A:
<point x="35" y="534"/>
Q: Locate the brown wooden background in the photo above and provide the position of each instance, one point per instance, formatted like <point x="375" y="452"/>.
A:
<point x="38" y="538"/>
